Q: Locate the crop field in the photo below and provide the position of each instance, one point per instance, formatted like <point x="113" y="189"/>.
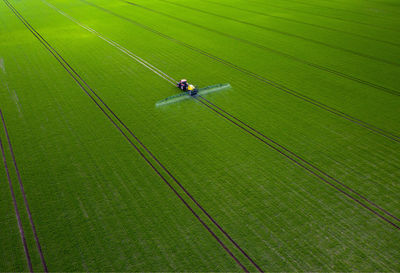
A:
<point x="296" y="167"/>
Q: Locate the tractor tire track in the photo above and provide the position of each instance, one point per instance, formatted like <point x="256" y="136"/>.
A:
<point x="17" y="214"/>
<point x="266" y="81"/>
<point x="304" y="23"/>
<point x="300" y="158"/>
<point x="82" y="84"/>
<point x="311" y="169"/>
<point x="268" y="141"/>
<point x="265" y="48"/>
<point x="287" y="34"/>
<point x="28" y="210"/>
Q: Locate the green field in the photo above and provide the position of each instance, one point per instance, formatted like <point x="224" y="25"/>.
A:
<point x="295" y="168"/>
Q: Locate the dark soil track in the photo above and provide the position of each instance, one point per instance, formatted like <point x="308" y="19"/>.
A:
<point x="303" y="163"/>
<point x="17" y="214"/>
<point x="28" y="210"/>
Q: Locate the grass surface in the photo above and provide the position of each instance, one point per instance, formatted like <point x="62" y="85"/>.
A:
<point x="97" y="204"/>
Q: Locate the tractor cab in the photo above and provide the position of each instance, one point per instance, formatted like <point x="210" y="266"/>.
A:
<point x="186" y="87"/>
<point x="183" y="85"/>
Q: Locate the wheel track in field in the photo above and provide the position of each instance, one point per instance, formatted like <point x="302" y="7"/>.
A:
<point x="16" y="210"/>
<point x="304" y="23"/>
<point x="296" y="159"/>
<point x="266" y="81"/>
<point x="120" y="126"/>
<point x="333" y="17"/>
<point x="265" y="48"/>
<point x="286" y="34"/>
<point x="300" y="161"/>
<point x="21" y="186"/>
